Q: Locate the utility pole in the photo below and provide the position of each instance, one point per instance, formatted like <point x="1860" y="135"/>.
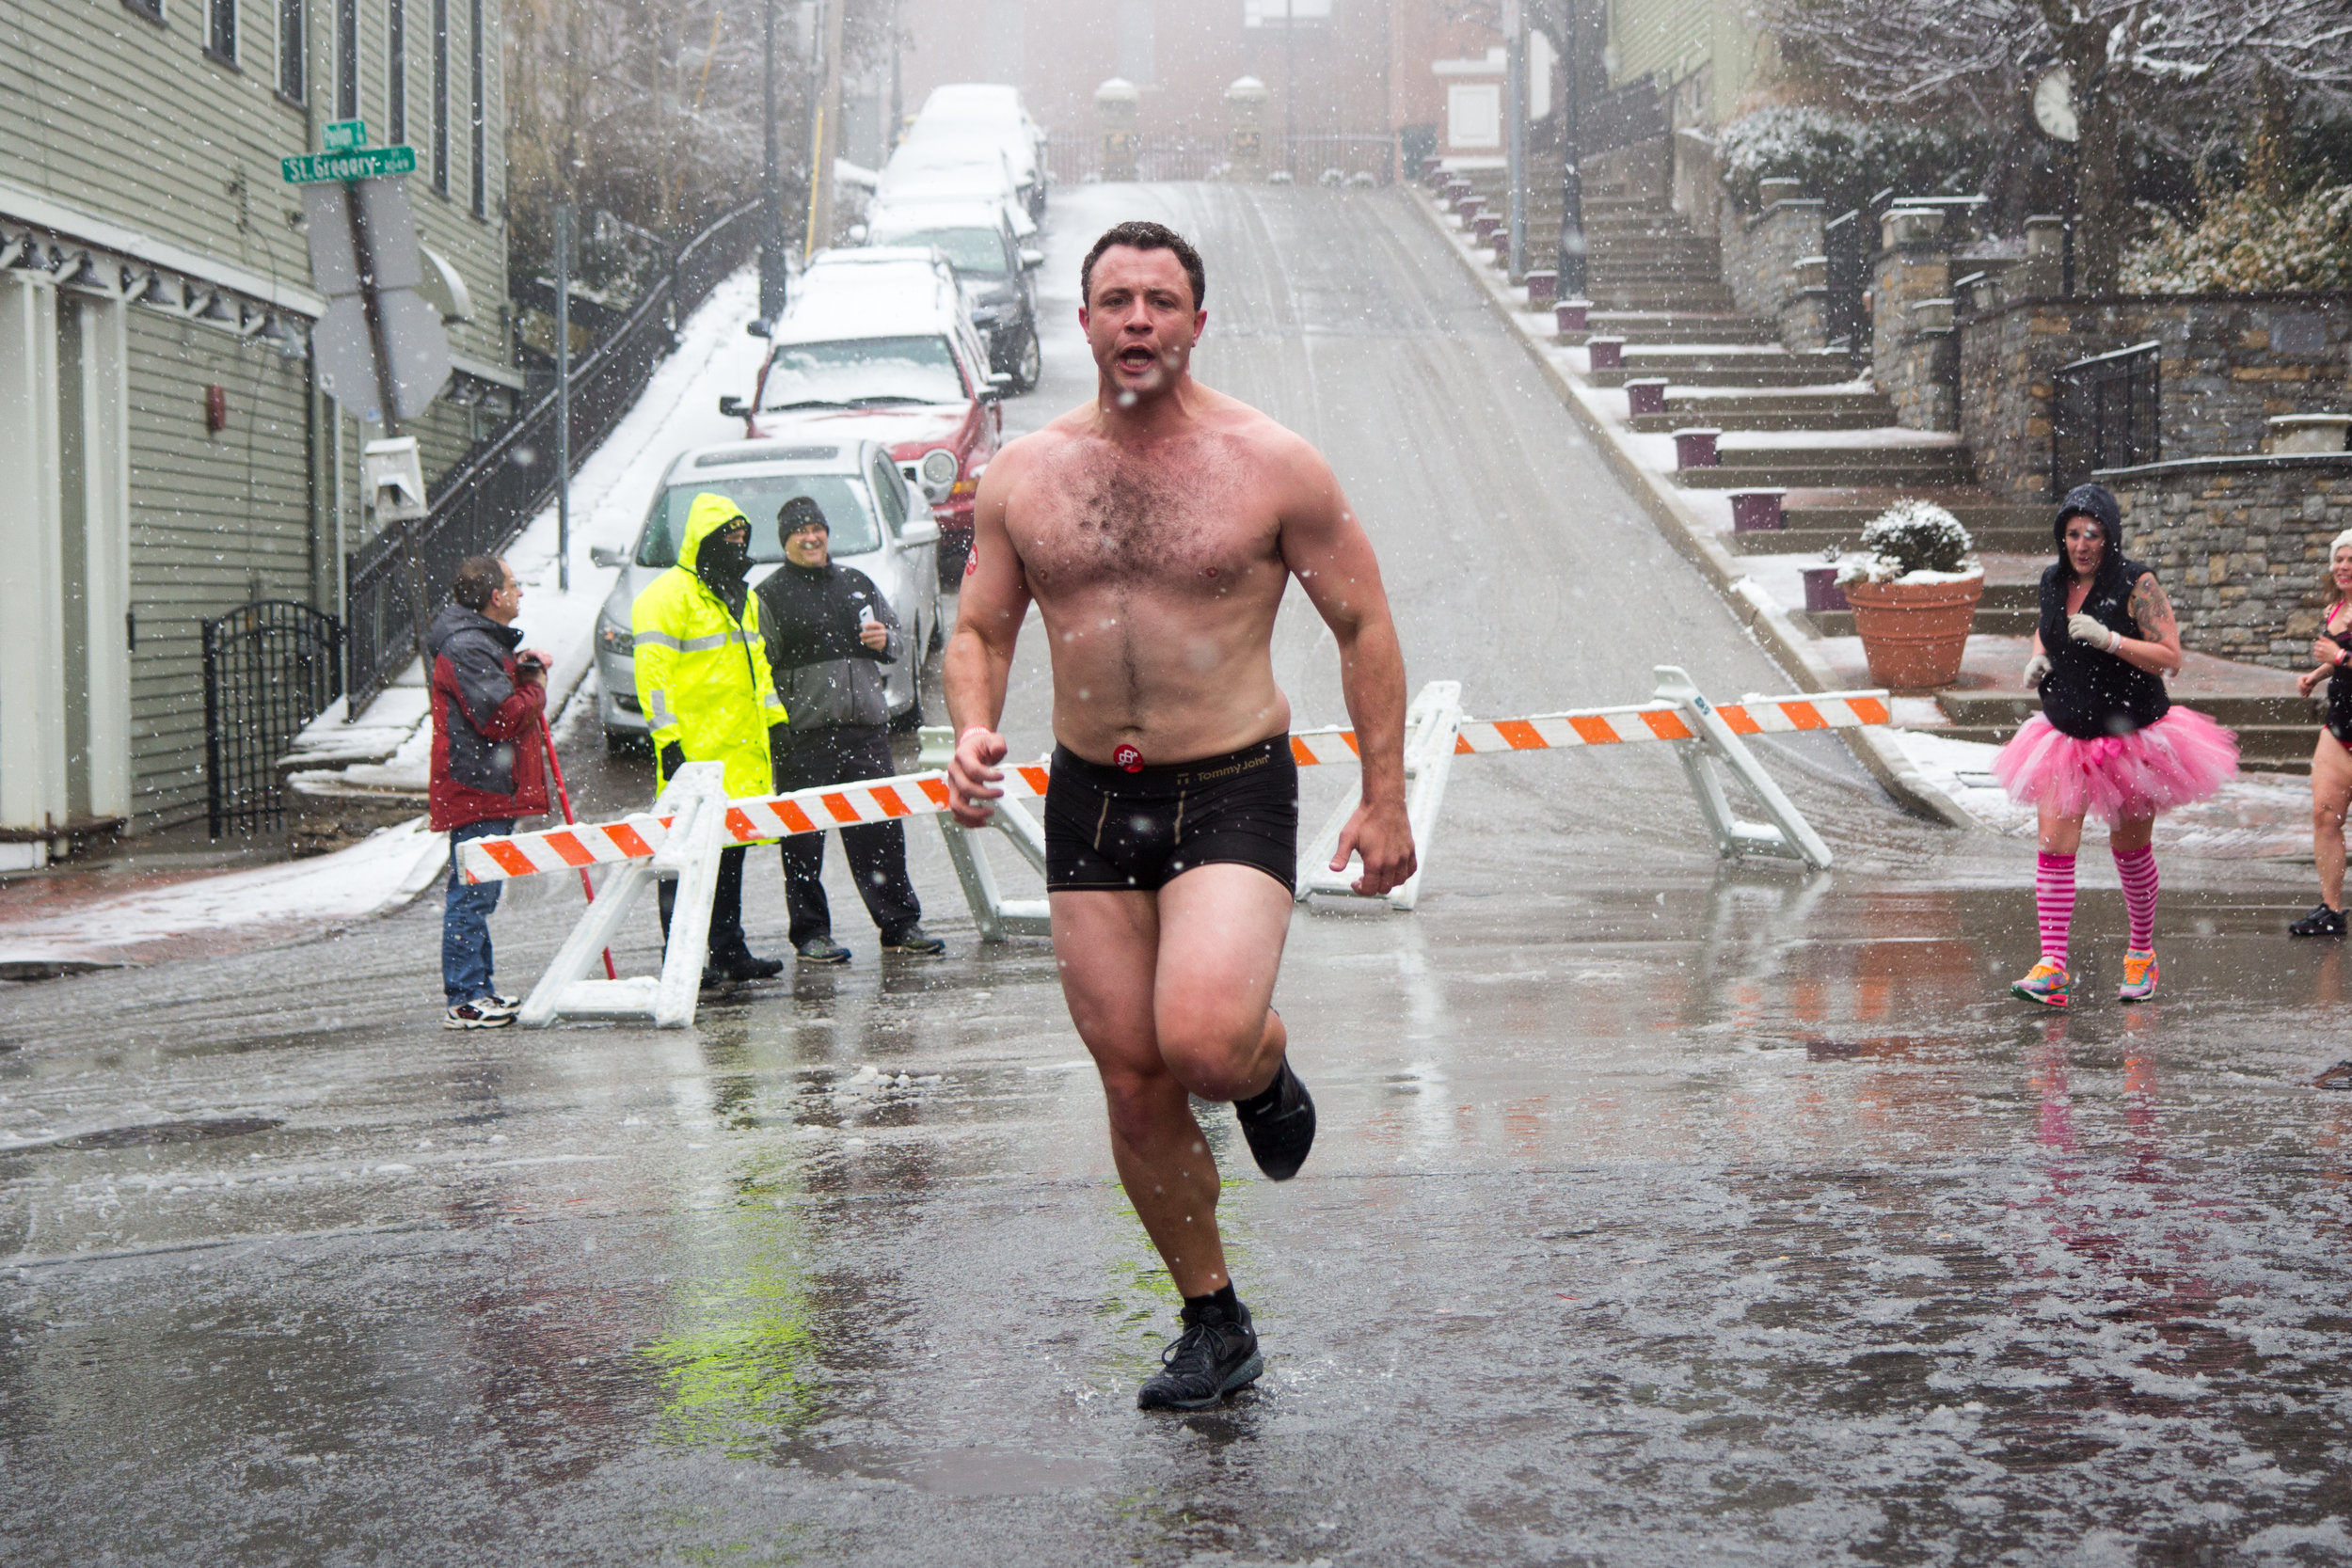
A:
<point x="1572" y="283"/>
<point x="897" y="88"/>
<point x="564" y="396"/>
<point x="1515" y="94"/>
<point x="774" y="237"/>
<point x="826" y="136"/>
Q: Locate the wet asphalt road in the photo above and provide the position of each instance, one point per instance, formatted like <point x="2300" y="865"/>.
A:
<point x="1663" y="1211"/>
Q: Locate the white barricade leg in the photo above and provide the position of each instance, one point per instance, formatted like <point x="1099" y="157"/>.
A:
<point x="1432" y="725"/>
<point x="1789" y="835"/>
<point x="696" y="801"/>
<point x="995" y="916"/>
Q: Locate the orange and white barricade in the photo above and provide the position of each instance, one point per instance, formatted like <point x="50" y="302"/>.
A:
<point x="693" y="820"/>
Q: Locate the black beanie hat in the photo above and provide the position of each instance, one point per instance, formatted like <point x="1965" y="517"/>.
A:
<point x="797" y="514"/>
<point x="2097" y="503"/>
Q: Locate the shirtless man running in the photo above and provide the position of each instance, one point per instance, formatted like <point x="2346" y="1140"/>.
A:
<point x="1156" y="528"/>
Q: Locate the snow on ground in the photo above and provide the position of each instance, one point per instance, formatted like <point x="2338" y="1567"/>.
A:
<point x="609" y="497"/>
<point x="381" y="872"/>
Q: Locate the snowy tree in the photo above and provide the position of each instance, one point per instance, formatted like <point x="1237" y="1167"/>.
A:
<point x="2132" y="61"/>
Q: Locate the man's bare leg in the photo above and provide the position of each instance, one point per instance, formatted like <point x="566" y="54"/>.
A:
<point x="1170" y="994"/>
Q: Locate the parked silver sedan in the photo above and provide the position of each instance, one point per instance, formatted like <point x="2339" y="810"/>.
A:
<point x="880" y="524"/>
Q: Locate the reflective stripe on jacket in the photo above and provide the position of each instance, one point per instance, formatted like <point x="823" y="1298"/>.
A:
<point x="702" y="673"/>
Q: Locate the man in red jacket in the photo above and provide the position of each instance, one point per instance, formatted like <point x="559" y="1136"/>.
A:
<point x="487" y="769"/>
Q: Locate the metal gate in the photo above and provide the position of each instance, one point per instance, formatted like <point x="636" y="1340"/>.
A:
<point x="270" y="667"/>
<point x="1846" y="326"/>
<point x="2105" y="414"/>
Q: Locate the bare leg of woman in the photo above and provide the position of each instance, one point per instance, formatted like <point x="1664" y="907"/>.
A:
<point x="2332" y="792"/>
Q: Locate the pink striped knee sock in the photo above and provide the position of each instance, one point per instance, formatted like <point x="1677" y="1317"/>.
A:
<point x="2137" y="867"/>
<point x="2053" y="901"/>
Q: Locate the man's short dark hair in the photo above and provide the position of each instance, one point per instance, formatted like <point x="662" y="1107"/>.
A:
<point x="1137" y="234"/>
<point x="479" y="578"/>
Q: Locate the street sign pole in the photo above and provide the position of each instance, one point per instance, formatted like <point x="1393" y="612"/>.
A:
<point x="564" y="396"/>
<point x="1515" y="76"/>
<point x="1571" y="283"/>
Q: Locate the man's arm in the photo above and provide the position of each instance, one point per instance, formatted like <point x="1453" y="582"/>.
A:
<point x="499" y="707"/>
<point x="989" y="613"/>
<point x="1327" y="549"/>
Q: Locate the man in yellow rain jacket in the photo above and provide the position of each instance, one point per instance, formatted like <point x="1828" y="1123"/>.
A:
<point x="705" y="686"/>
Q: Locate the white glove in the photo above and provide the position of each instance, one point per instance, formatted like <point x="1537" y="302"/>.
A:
<point x="2037" y="670"/>
<point x="2082" y="628"/>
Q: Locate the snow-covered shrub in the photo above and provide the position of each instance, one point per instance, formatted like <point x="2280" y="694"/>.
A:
<point x="2249" y="245"/>
<point x="1845" y="160"/>
<point x="1912" y="540"/>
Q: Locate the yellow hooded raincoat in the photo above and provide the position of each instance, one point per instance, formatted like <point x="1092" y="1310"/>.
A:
<point x="702" y="673"/>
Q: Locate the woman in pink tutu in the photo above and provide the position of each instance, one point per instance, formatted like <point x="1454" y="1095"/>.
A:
<point x="2107" y="739"/>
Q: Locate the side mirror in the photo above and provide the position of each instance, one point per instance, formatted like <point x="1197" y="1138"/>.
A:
<point x="605" y="555"/>
<point x="1031" y="260"/>
<point x="759" y="327"/>
<point x="732" y="406"/>
<point x="920" y="530"/>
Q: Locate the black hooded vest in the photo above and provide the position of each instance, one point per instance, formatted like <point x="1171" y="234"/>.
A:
<point x="2090" y="692"/>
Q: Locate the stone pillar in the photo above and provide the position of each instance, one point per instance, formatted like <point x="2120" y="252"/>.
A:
<point x="1914" y="353"/>
<point x="1246" y="100"/>
<point x="2042" y="274"/>
<point x="1115" y="104"/>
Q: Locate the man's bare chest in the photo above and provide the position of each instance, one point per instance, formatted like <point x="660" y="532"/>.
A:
<point x="1207" y="529"/>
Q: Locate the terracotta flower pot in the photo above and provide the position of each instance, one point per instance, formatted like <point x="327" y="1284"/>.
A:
<point x="1914" y="633"/>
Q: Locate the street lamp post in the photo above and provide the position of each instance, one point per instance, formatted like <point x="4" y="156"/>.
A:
<point x="1572" y="283"/>
<point x="772" y="237"/>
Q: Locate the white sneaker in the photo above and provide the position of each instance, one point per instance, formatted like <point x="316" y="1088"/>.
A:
<point x="494" y="1003"/>
<point x="480" y="1014"/>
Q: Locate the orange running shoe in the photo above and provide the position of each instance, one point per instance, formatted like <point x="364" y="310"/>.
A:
<point x="2140" y="975"/>
<point x="2046" y="983"/>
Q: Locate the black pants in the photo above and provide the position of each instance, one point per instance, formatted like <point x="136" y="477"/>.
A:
<point x="726" y="906"/>
<point x="876" y="850"/>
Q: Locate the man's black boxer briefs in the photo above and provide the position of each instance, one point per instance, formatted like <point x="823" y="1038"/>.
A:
<point x="1110" y="830"/>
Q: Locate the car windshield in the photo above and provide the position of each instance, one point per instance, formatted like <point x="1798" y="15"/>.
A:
<point x="842" y="498"/>
<point x="863" y="372"/>
<point x="977" y="251"/>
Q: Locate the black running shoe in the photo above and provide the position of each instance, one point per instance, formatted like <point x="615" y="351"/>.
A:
<point x="1214" y="1355"/>
<point x="2321" y="921"/>
<point x="1279" y="1123"/>
<point x="2337" y="1077"/>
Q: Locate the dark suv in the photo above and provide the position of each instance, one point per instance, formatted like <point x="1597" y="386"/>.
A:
<point x="996" y="275"/>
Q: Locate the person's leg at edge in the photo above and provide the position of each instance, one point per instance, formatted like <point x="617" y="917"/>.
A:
<point x="727" y="907"/>
<point x="805" y="887"/>
<point x="877" y="852"/>
<point x="2331" y="793"/>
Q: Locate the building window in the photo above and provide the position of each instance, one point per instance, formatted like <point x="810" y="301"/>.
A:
<point x="479" y="124"/>
<point x="441" y="95"/>
<point x="395" y="71"/>
<point x="152" y="9"/>
<point x="293" y="49"/>
<point x="346" y="59"/>
<point x="220" y="30"/>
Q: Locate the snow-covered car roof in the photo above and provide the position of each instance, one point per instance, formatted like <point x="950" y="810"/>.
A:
<point x="884" y="291"/>
<point x="798" y="456"/>
<point x="946" y="212"/>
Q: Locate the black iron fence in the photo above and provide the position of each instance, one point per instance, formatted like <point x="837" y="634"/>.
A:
<point x="1845" y="322"/>
<point x="2104" y="413"/>
<point x="395" y="580"/>
<point x="1310" y="157"/>
<point x="270" y="667"/>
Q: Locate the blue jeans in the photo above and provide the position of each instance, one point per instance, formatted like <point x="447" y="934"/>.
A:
<point x="466" y="919"/>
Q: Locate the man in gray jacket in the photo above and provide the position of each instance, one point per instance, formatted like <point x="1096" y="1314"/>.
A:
<point x="829" y="632"/>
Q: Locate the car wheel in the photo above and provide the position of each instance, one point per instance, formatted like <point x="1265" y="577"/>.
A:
<point x="1028" y="362"/>
<point x="951" y="559"/>
<point x="937" y="640"/>
<point x="910" y="719"/>
<point x="619" y="743"/>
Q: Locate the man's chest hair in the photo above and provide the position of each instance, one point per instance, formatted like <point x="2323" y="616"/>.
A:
<point x="1197" y="516"/>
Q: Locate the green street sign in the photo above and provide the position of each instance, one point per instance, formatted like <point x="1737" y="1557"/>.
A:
<point x="345" y="136"/>
<point x="372" y="162"/>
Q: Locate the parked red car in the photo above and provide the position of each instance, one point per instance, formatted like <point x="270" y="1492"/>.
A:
<point x="876" y="345"/>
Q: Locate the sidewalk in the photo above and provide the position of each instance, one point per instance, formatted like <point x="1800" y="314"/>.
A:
<point x="168" y="896"/>
<point x="1933" y="764"/>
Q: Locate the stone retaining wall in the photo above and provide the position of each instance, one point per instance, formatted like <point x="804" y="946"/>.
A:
<point x="1772" y="265"/>
<point x="2240" y="544"/>
<point x="2228" y="362"/>
<point x="1913" y="348"/>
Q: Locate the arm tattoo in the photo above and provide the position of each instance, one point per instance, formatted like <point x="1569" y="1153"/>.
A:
<point x="2152" y="609"/>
